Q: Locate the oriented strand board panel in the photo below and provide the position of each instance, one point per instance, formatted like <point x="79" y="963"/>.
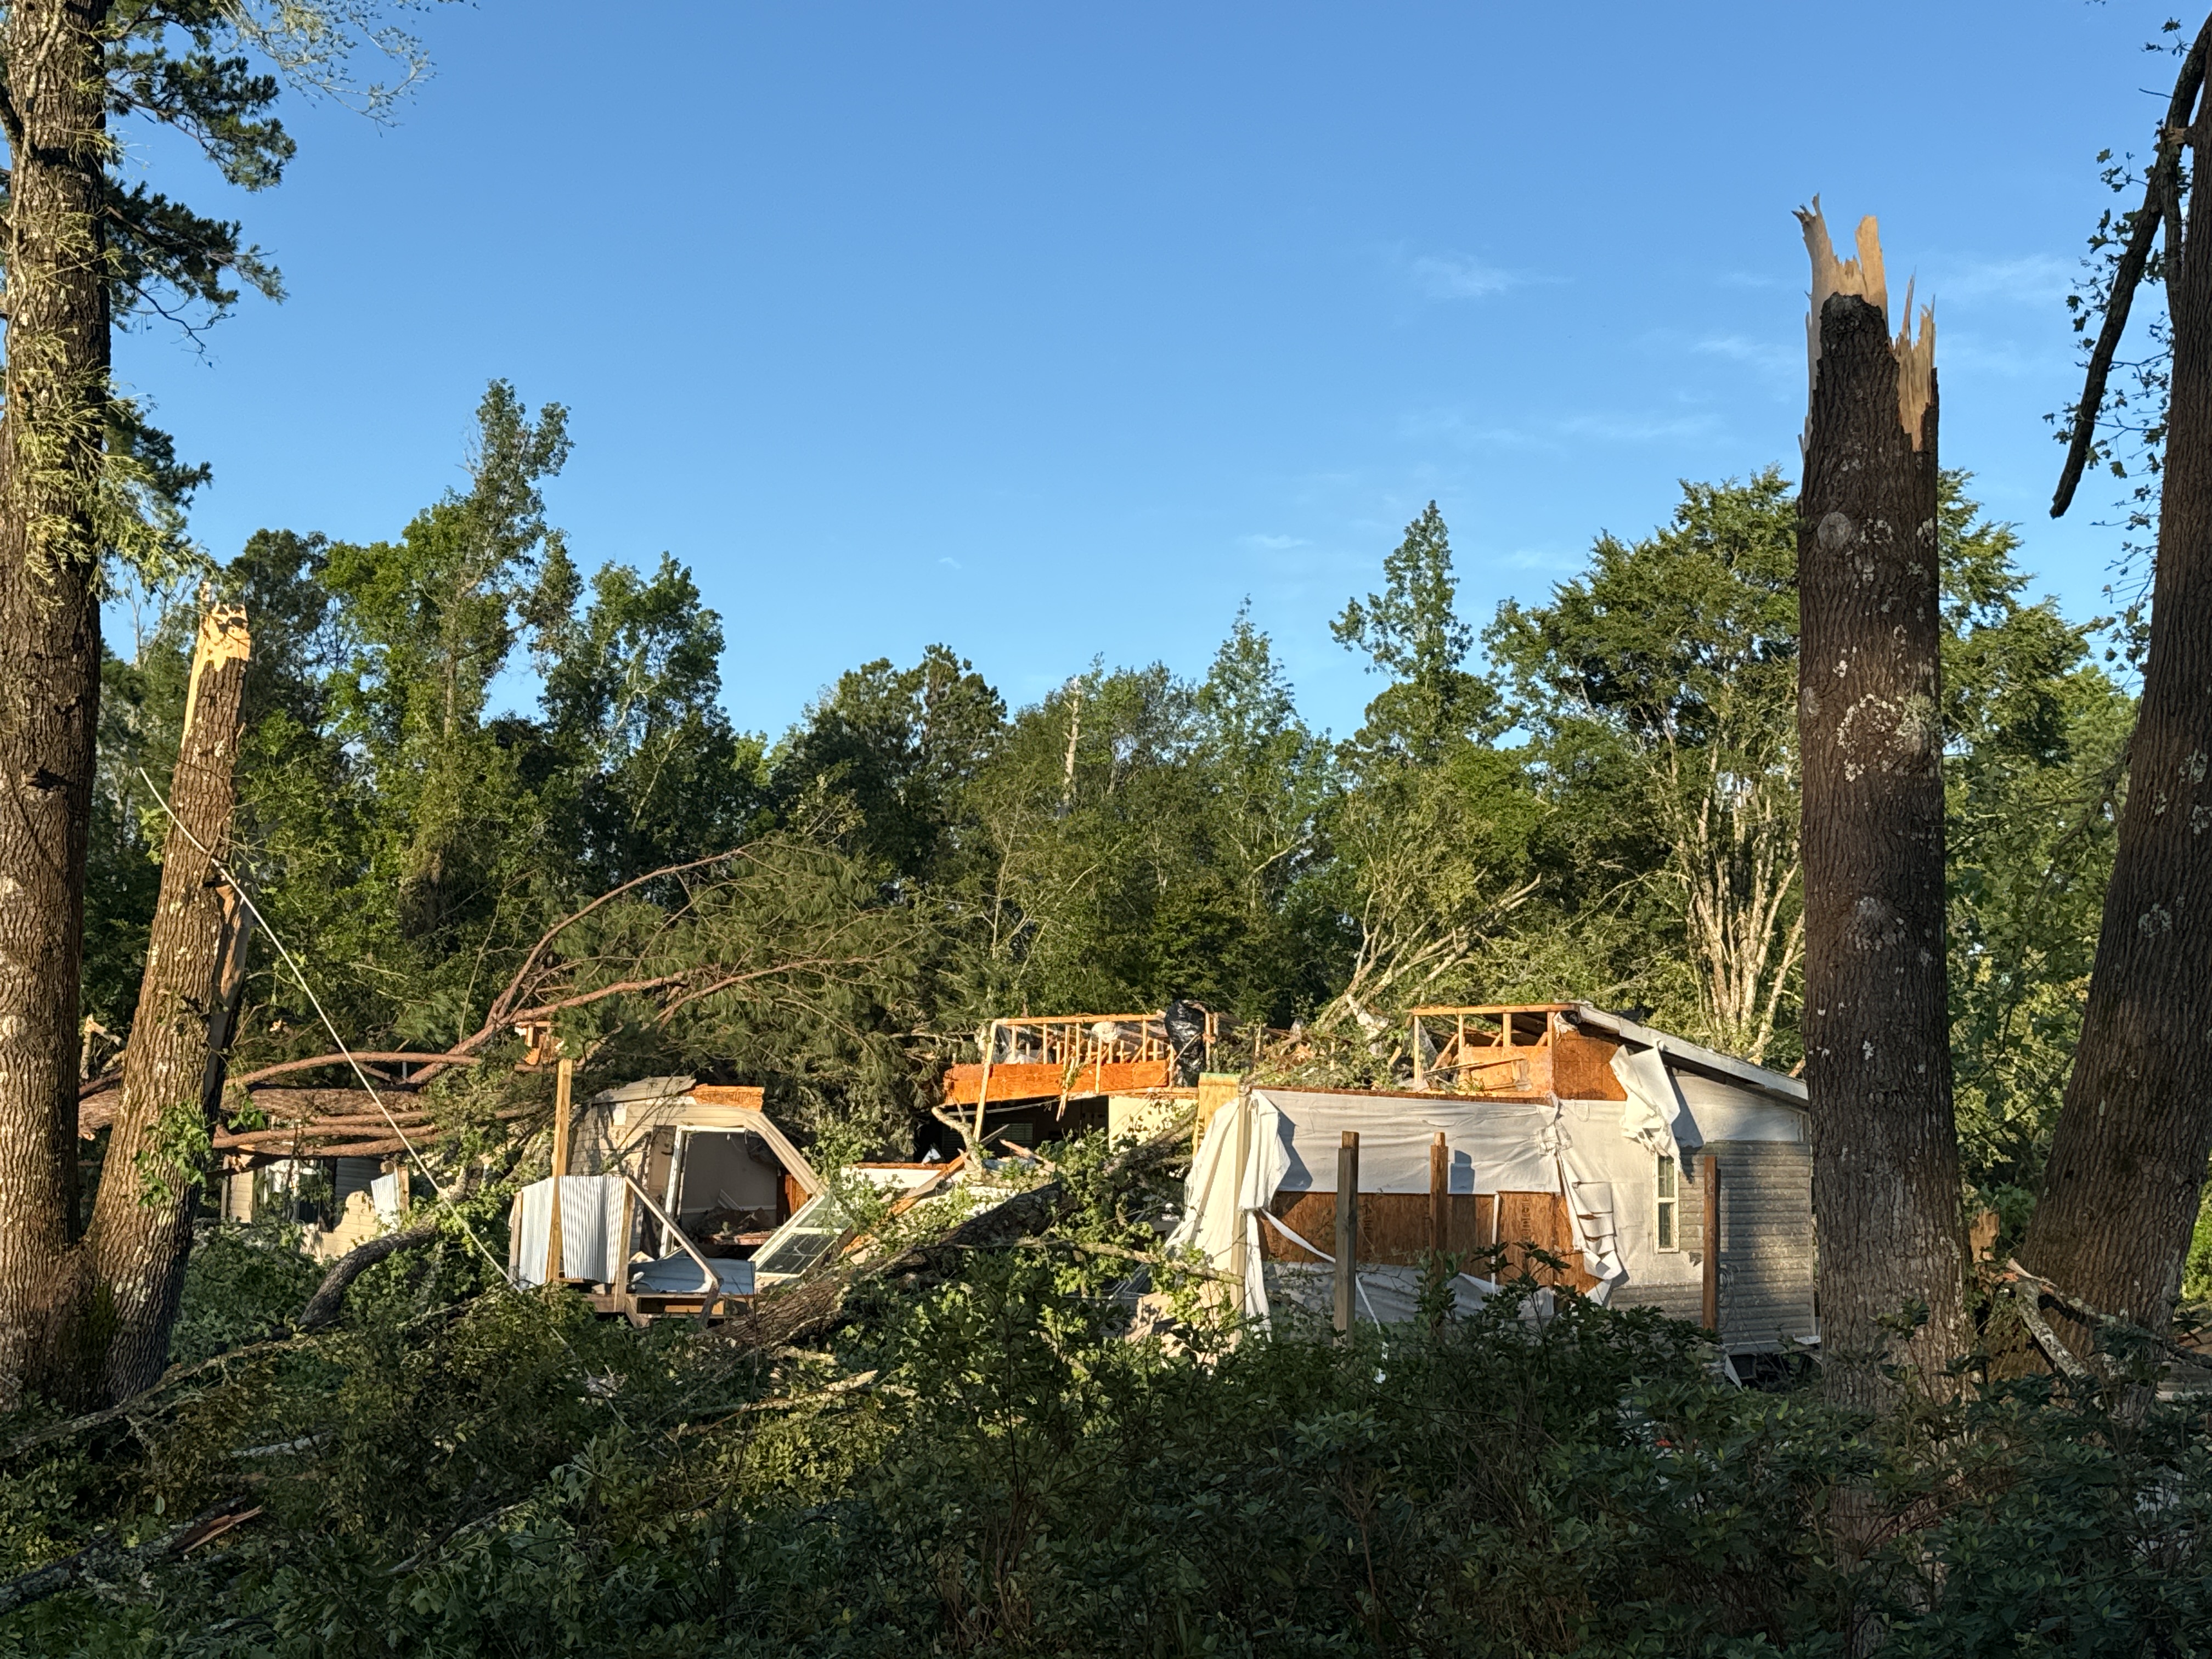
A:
<point x="1393" y="1230"/>
<point x="719" y="1094"/>
<point x="1393" y="1227"/>
<point x="1582" y="1067"/>
<point x="1540" y="1220"/>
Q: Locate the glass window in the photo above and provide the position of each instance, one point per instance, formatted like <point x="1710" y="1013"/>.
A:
<point x="1670" y="1206"/>
<point x="802" y="1241"/>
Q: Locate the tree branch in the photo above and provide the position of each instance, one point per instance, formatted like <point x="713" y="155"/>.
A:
<point x="503" y="1005"/>
<point x="390" y="1057"/>
<point x="2143" y="229"/>
<point x="107" y="1552"/>
<point x="324" y="1306"/>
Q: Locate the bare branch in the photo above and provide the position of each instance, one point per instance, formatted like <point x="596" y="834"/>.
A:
<point x="390" y="1057"/>
<point x="503" y="1005"/>
<point x="323" y="1308"/>
<point x="2163" y="182"/>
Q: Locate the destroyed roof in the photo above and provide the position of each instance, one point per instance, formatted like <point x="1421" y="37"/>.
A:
<point x="646" y="1088"/>
<point x="1788" y="1090"/>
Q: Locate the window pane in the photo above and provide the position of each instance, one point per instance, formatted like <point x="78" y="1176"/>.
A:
<point x="1665" y="1226"/>
<point x="1666" y="1177"/>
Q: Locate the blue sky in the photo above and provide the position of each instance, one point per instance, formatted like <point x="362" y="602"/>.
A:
<point x="1052" y="331"/>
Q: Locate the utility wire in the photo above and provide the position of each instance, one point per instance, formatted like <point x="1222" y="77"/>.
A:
<point x="413" y="1153"/>
<point x="499" y="1267"/>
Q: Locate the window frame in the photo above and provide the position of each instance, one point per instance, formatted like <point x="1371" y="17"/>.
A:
<point x="1667" y="1205"/>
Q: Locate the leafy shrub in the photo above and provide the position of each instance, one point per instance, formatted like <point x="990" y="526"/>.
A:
<point x="242" y="1283"/>
<point x="989" y="1465"/>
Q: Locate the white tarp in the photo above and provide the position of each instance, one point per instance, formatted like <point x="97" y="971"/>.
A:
<point x="591" y="1246"/>
<point x="383" y="1192"/>
<point x="1221" y="1200"/>
<point x="1653" y="1114"/>
<point x="1495" y="1146"/>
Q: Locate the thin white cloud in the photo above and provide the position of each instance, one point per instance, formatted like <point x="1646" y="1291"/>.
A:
<point x="1982" y="354"/>
<point x="2029" y="279"/>
<point x="1457" y="427"/>
<point x="1770" y="356"/>
<point x="951" y="563"/>
<point x="1458" y="277"/>
<point x="1637" y="429"/>
<point x="1273" y="543"/>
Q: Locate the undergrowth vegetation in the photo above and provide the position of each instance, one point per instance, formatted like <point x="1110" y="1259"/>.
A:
<point x="992" y="1465"/>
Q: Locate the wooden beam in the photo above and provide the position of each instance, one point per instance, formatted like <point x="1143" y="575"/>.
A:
<point x="1708" y="1176"/>
<point x="1439" y="1194"/>
<point x="1348" y="1227"/>
<point x="563" y="1082"/>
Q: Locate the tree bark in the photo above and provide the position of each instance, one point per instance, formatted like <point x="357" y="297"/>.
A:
<point x="329" y="1300"/>
<point x="1877" y="1036"/>
<point x="51" y="433"/>
<point x="157" y="1153"/>
<point x="2127" y="1162"/>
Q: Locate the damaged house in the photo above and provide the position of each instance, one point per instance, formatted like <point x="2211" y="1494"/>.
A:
<point x="1652" y="1170"/>
<point x="1056" y="1078"/>
<point x="687" y="1198"/>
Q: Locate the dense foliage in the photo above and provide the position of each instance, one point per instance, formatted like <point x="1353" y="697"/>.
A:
<point x="993" y="1466"/>
<point x="1595" y="796"/>
<point x="1602" y="802"/>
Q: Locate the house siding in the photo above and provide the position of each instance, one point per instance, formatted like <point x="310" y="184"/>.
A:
<point x="1766" y="1243"/>
<point x="1766" y="1246"/>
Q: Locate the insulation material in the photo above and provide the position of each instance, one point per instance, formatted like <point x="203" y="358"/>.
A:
<point x="1653" y="1115"/>
<point x="592" y="1244"/>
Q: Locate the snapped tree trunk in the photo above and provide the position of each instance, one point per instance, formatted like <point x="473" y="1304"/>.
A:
<point x="157" y="1153"/>
<point x="2127" y="1161"/>
<point x="51" y="431"/>
<point x="1877" y="1036"/>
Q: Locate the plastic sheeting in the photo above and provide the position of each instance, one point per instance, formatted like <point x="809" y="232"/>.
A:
<point x="384" y="1191"/>
<point x="1220" y="1198"/>
<point x="1290" y="1138"/>
<point x="592" y="1245"/>
<point x="1653" y="1115"/>
<point x="1495" y="1146"/>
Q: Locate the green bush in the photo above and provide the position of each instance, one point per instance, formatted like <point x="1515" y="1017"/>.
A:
<point x="989" y="1465"/>
<point x="241" y="1285"/>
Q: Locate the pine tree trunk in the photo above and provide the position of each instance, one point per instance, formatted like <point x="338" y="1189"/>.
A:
<point x="56" y="398"/>
<point x="2127" y="1163"/>
<point x="157" y="1153"/>
<point x="1877" y="1038"/>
